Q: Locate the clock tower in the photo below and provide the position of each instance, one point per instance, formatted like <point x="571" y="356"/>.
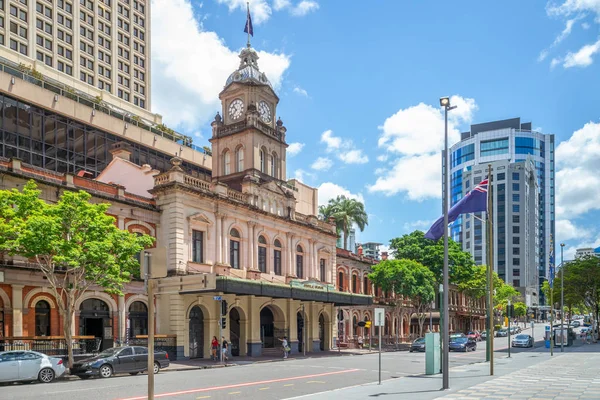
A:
<point x="247" y="140"/>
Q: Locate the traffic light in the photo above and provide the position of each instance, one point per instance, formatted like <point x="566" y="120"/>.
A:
<point x="223" y="307"/>
<point x="223" y="322"/>
<point x="368" y="324"/>
<point x="362" y="324"/>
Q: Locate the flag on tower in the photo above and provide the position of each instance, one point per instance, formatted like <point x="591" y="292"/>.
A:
<point x="474" y="201"/>
<point x="248" y="28"/>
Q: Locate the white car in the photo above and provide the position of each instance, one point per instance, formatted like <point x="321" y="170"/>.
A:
<point x="29" y="366"/>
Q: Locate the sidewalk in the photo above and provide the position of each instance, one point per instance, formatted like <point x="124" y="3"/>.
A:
<point x="574" y="374"/>
<point x="203" y="363"/>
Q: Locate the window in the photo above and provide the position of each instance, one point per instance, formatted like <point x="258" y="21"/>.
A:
<point x="234" y="248"/>
<point x="494" y="147"/>
<point x="516" y="283"/>
<point x="354" y="283"/>
<point x="516" y="240"/>
<point x="516" y="272"/>
<point x="240" y="159"/>
<point x="365" y="285"/>
<point x="516" y="229"/>
<point x="262" y="161"/>
<point x="515" y="219"/>
<point x="226" y="162"/>
<point x="262" y="254"/>
<point x="197" y="246"/>
<point x="277" y="257"/>
<point x="273" y="165"/>
<point x="516" y="251"/>
<point x="516" y="197"/>
<point x="515" y="208"/>
<point x="299" y="262"/>
<point x="515" y="176"/>
<point x="322" y="270"/>
<point x="515" y="187"/>
<point x="340" y="281"/>
<point x="501" y="176"/>
<point x="42" y="318"/>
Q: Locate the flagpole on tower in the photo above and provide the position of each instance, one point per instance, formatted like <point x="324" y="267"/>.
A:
<point x="248" y="23"/>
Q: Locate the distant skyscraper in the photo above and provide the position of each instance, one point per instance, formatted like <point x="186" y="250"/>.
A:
<point x="351" y="241"/>
<point x="370" y="249"/>
<point x="523" y="187"/>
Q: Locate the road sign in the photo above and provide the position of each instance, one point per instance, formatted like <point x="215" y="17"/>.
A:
<point x="379" y="317"/>
<point x="218" y="298"/>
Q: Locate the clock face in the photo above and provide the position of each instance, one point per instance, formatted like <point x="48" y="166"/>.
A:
<point x="264" y="111"/>
<point x="236" y="108"/>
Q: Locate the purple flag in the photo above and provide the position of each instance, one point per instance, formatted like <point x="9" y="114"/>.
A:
<point x="474" y="201"/>
<point x="248" y="28"/>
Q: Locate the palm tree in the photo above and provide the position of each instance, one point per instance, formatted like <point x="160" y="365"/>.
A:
<point x="346" y="212"/>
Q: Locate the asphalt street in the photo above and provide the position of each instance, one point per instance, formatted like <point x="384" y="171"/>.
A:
<point x="275" y="380"/>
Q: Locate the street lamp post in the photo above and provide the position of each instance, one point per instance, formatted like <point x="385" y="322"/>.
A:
<point x="150" y="289"/>
<point x="445" y="102"/>
<point x="562" y="301"/>
<point x="440" y="323"/>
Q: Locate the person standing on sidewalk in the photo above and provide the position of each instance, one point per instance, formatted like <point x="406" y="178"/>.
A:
<point x="224" y="348"/>
<point x="286" y="348"/>
<point x="360" y="342"/>
<point x="214" y="346"/>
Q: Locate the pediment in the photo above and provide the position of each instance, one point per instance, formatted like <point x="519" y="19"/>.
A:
<point x="200" y="218"/>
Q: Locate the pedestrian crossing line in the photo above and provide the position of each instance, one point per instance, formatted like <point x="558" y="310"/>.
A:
<point x="289" y="384"/>
<point x="265" y="388"/>
<point x="234" y="392"/>
<point x="315" y="382"/>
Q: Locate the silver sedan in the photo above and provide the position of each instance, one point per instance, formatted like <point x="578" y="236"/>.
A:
<point x="29" y="366"/>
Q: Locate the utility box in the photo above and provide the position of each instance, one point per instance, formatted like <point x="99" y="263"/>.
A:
<point x="432" y="353"/>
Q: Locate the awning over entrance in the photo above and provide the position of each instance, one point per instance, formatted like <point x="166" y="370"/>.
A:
<point x="231" y="285"/>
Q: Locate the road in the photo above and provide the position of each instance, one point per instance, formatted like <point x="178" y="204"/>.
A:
<point x="276" y="380"/>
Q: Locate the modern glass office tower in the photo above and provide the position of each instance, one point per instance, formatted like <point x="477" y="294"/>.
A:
<point x="513" y="149"/>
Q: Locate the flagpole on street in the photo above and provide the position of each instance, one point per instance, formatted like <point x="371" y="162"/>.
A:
<point x="490" y="269"/>
<point x="445" y="102"/>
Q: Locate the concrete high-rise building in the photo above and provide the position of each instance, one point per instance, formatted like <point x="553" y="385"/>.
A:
<point x="523" y="154"/>
<point x="351" y="241"/>
<point x="370" y="249"/>
<point x="101" y="47"/>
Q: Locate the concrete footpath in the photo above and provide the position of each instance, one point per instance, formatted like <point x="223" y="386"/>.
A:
<point x="574" y="374"/>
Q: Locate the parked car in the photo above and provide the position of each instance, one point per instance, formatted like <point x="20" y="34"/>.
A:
<point x="29" y="366"/>
<point x="483" y="335"/>
<point x="576" y="324"/>
<point x="418" y="345"/>
<point x="463" y="344"/>
<point x="502" y="332"/>
<point x="457" y="335"/>
<point x="522" y="340"/>
<point x="514" y="330"/>
<point x="474" y="335"/>
<point x="118" y="360"/>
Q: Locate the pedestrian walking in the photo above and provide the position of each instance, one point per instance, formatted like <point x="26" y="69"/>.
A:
<point x="286" y="347"/>
<point x="214" y="346"/>
<point x="224" y="348"/>
<point x="588" y="337"/>
<point x="360" y="342"/>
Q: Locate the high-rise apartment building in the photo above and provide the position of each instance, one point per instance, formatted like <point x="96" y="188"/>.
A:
<point x="101" y="47"/>
<point x="517" y="155"/>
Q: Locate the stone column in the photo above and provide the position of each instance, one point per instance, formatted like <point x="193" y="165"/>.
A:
<point x="122" y="315"/>
<point x="253" y="343"/>
<point x="218" y="240"/>
<point x="309" y="260"/>
<point x="251" y="264"/>
<point x="315" y="261"/>
<point x="17" y="303"/>
<point x="224" y="237"/>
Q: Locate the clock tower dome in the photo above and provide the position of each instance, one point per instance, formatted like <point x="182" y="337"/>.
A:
<point x="247" y="140"/>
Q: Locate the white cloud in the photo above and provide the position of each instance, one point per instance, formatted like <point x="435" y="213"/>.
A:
<point x="294" y="148"/>
<point x="384" y="248"/>
<point x="300" y="91"/>
<point x="259" y="9"/>
<point x="382" y="157"/>
<point x="303" y="175"/>
<point x="577" y="179"/>
<point x="419" y="176"/>
<point x="555" y="61"/>
<point x="567" y="230"/>
<point x="415" y="136"/>
<point x="420" y="224"/>
<point x="583" y="57"/>
<point x="585" y="26"/>
<point x="329" y="190"/>
<point x="322" y="164"/>
<point x="343" y="148"/>
<point x="570" y="7"/>
<point x="186" y="83"/>
<point x="355" y="156"/>
<point x="281" y="4"/>
<point x="304" y="7"/>
<point x="562" y="36"/>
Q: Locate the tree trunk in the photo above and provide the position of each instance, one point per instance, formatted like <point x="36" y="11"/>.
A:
<point x="68" y="320"/>
<point x="346" y="239"/>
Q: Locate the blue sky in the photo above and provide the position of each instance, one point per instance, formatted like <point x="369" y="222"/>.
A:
<point x="359" y="85"/>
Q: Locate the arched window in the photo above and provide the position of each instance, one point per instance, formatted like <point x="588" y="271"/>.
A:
<point x="234" y="248"/>
<point x="42" y="318"/>
<point x="273" y="163"/>
<point x="299" y="262"/>
<point x="226" y="162"/>
<point x="262" y="161"/>
<point x="138" y="319"/>
<point x="341" y="281"/>
<point x="322" y="274"/>
<point x="262" y="254"/>
<point x="277" y="257"/>
<point x="365" y="285"/>
<point x="354" y="283"/>
<point x="354" y="325"/>
<point x="240" y="159"/>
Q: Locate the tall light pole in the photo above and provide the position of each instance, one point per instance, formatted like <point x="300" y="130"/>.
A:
<point x="445" y="102"/>
<point x="562" y="301"/>
<point x="150" y="289"/>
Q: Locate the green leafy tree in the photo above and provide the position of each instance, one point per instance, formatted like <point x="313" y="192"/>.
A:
<point x="75" y="244"/>
<point x="475" y="287"/>
<point x="414" y="246"/>
<point x="346" y="212"/>
<point x="520" y="309"/>
<point x="410" y="279"/>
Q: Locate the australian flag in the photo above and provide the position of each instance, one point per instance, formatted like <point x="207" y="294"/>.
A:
<point x="474" y="201"/>
<point x="248" y="28"/>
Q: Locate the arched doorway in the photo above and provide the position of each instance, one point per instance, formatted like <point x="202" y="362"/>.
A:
<point x="235" y="331"/>
<point x="267" y="328"/>
<point x="95" y="320"/>
<point x="196" y="332"/>
<point x="138" y="320"/>
<point x="323" y="332"/>
<point x="42" y="318"/>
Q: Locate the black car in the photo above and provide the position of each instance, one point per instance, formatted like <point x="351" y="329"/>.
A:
<point x="118" y="360"/>
<point x="418" y="345"/>
<point x="463" y="344"/>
